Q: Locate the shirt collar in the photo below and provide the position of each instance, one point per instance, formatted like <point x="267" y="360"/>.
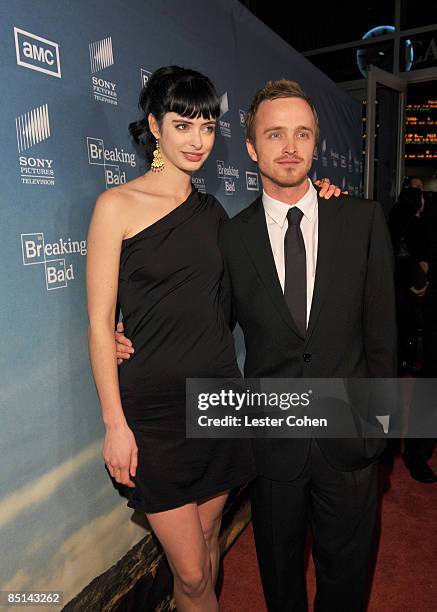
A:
<point x="278" y="210"/>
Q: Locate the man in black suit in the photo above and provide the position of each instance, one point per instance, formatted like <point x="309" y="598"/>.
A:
<point x="312" y="290"/>
<point x="311" y="285"/>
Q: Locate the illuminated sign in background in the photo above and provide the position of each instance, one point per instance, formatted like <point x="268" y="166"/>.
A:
<point x="421" y="127"/>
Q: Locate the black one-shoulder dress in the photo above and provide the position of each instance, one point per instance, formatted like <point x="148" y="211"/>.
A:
<point x="169" y="293"/>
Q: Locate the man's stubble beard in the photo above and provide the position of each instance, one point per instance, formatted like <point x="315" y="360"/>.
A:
<point x="284" y="183"/>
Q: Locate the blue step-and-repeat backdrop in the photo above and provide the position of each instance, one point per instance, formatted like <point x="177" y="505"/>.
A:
<point x="71" y="73"/>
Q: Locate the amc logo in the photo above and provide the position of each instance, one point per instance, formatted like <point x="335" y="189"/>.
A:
<point x="252" y="181"/>
<point x="37" y="53"/>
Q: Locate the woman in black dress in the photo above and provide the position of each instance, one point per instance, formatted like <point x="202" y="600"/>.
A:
<point x="153" y="244"/>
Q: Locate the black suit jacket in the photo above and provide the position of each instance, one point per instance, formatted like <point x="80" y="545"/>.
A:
<point x="351" y="330"/>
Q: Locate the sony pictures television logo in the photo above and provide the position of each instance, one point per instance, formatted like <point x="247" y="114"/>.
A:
<point x="324" y="155"/>
<point x="101" y="58"/>
<point x="144" y="76"/>
<point x="225" y="126"/>
<point x="334" y="157"/>
<point x="101" y="55"/>
<point x="58" y="271"/>
<point x="199" y="183"/>
<point x="32" y="128"/>
<point x="110" y="160"/>
<point x="37" y="53"/>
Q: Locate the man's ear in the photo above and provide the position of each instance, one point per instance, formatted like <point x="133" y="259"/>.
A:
<point x="251" y="151"/>
<point x="153" y="126"/>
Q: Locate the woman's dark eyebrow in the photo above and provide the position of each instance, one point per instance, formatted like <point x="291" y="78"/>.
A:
<point x="185" y="120"/>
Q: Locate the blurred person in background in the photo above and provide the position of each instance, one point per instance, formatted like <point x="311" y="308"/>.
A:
<point x="413" y="181"/>
<point x="418" y="451"/>
<point x="411" y="267"/>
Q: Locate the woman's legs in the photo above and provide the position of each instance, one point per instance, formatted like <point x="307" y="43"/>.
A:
<point x="189" y="537"/>
<point x="210" y="513"/>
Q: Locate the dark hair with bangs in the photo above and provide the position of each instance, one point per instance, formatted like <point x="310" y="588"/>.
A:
<point x="172" y="89"/>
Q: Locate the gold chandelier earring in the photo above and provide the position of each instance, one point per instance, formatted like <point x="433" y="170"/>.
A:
<point x="158" y="163"/>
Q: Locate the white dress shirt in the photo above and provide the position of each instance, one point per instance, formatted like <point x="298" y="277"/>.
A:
<point x="277" y="224"/>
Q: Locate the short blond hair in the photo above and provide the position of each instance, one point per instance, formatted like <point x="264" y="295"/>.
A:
<point x="272" y="90"/>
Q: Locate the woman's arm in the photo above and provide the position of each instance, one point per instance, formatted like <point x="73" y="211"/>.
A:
<point x="226" y="300"/>
<point x="104" y="244"/>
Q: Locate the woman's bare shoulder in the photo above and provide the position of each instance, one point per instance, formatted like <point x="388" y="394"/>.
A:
<point x="111" y="210"/>
<point x="116" y="196"/>
<point x="132" y="206"/>
<point x="131" y="193"/>
<point x="118" y="202"/>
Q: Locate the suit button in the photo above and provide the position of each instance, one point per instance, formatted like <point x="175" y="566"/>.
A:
<point x="307" y="357"/>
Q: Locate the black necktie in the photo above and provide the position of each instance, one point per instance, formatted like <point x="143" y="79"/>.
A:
<point x="295" y="286"/>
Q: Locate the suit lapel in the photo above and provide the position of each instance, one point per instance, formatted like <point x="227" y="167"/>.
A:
<point x="256" y="240"/>
<point x="329" y="237"/>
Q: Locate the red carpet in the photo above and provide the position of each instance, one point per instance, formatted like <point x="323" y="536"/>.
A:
<point x="405" y="578"/>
